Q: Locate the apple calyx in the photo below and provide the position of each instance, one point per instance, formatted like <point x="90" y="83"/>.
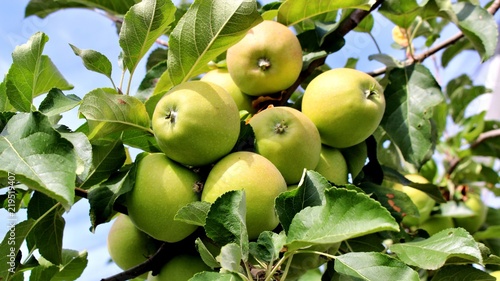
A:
<point x="171" y="115"/>
<point x="370" y="93"/>
<point x="281" y="127"/>
<point x="264" y="64"/>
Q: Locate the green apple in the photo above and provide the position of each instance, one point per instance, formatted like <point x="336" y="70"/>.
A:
<point x="267" y="60"/>
<point x="355" y="156"/>
<point x="424" y="203"/>
<point x="127" y="245"/>
<point x="480" y="210"/>
<point x="435" y="224"/>
<point x="196" y="123"/>
<point x="161" y="188"/>
<point x="180" y="268"/>
<point x="496" y="274"/>
<point x="345" y="104"/>
<point x="221" y="77"/>
<point x="288" y="139"/>
<point x="332" y="165"/>
<point x="258" y="177"/>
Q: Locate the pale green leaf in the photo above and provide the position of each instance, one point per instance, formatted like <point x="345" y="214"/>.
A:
<point x="143" y="24"/>
<point x="230" y="257"/>
<point x="374" y="266"/>
<point x="215" y="276"/>
<point x="434" y="252"/>
<point x="461" y="92"/>
<point x="401" y="13"/>
<point x="346" y="214"/>
<point x="205" y="31"/>
<point x="83" y="150"/>
<point x="108" y="112"/>
<point x="94" y="61"/>
<point x="268" y="246"/>
<point x="10" y="247"/>
<point x="39" y="156"/>
<point x="32" y="74"/>
<point x="410" y="97"/>
<point x="493" y="231"/>
<point x="294" y="11"/>
<point x="205" y="254"/>
<point x="194" y="213"/>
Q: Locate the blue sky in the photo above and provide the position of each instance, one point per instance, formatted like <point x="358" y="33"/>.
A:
<point x="90" y="30"/>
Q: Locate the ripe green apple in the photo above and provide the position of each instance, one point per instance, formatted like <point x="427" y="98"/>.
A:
<point x="355" y="156"/>
<point x="345" y="104"/>
<point x="221" y="77"/>
<point x="180" y="268"/>
<point x="196" y="123"/>
<point x="480" y="210"/>
<point x="267" y="60"/>
<point x="332" y="165"/>
<point x="258" y="177"/>
<point x="423" y="202"/>
<point x="127" y="245"/>
<point x="496" y="274"/>
<point x="435" y="224"/>
<point x="161" y="188"/>
<point x="288" y="139"/>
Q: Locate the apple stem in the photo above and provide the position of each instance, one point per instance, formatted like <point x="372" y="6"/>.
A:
<point x="264" y="64"/>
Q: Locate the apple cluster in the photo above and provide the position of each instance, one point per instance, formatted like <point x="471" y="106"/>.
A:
<point x="197" y="126"/>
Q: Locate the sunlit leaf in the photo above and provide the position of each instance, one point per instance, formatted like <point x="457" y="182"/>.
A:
<point x="94" y="61"/>
<point x="43" y="8"/>
<point x="56" y="102"/>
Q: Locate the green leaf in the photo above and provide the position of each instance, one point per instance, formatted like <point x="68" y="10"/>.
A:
<point x="72" y="266"/>
<point x="103" y="197"/>
<point x="202" y="34"/>
<point x="48" y="232"/>
<point x="346" y="214"/>
<point x="366" y="25"/>
<point x="478" y="26"/>
<point x="32" y="74"/>
<point x="268" y="246"/>
<point x="374" y="266"/>
<point x="434" y="252"/>
<point x="461" y="92"/>
<point x="230" y="257"/>
<point x="148" y="84"/>
<point x="401" y="13"/>
<point x="452" y="51"/>
<point x="461" y="273"/>
<point x="410" y="97"/>
<point x="490" y="140"/>
<point x="157" y="56"/>
<point x="83" y="151"/>
<point x="310" y="192"/>
<point x="43" y="8"/>
<point x="107" y="112"/>
<point x="56" y="103"/>
<point x="4" y="100"/>
<point x="39" y="156"/>
<point x="205" y="254"/>
<point x="194" y="213"/>
<point x="493" y="231"/>
<point x="106" y="159"/>
<point x="94" y="61"/>
<point x="225" y="221"/>
<point x="294" y="11"/>
<point x="140" y="139"/>
<point x="10" y="247"/>
<point x="143" y="24"/>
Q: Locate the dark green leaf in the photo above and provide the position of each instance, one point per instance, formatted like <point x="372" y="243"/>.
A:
<point x="401" y="13"/>
<point x="215" y="276"/>
<point x="56" y="103"/>
<point x="268" y="246"/>
<point x="72" y="266"/>
<point x="4" y="119"/>
<point x="48" y="232"/>
<point x="194" y="213"/>
<point x="205" y="31"/>
<point x="452" y="51"/>
<point x="107" y="112"/>
<point x="10" y="247"/>
<point x="434" y="252"/>
<point x="310" y="192"/>
<point x="346" y="214"/>
<point x="489" y="142"/>
<point x="366" y="25"/>
<point x="157" y="56"/>
<point x="225" y="221"/>
<point x="410" y="97"/>
<point x="94" y="61"/>
<point x="43" y="8"/>
<point x="39" y="156"/>
<point x="461" y="92"/>
<point x="461" y="273"/>
<point x="140" y="139"/>
<point x="374" y="266"/>
<point x="143" y="24"/>
<point x="4" y="100"/>
<point x="32" y="74"/>
<point x="148" y="84"/>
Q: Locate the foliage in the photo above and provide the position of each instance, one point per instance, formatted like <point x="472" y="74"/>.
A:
<point x="45" y="167"/>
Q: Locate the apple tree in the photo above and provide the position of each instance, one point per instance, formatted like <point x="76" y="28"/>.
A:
<point x="405" y="201"/>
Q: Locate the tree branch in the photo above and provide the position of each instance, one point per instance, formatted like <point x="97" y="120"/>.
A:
<point x="492" y="9"/>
